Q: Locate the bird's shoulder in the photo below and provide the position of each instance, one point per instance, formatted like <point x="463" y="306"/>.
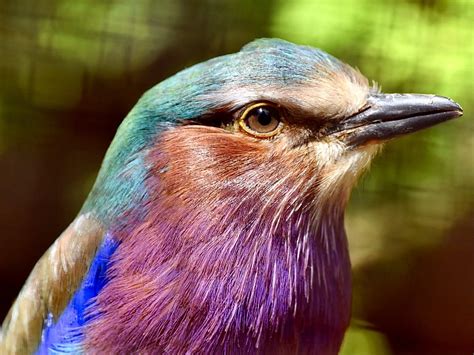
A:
<point x="51" y="304"/>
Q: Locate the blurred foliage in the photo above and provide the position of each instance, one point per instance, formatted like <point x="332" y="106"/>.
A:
<point x="362" y="341"/>
<point x="71" y="69"/>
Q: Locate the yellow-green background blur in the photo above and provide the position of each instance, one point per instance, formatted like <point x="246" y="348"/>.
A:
<point x="70" y="70"/>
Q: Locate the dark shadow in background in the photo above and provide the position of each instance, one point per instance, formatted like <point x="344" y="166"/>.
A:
<point x="427" y="305"/>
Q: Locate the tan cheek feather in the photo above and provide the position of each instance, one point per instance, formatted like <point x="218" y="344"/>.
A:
<point x="342" y="168"/>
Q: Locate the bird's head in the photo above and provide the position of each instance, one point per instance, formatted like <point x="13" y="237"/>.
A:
<point x="273" y="119"/>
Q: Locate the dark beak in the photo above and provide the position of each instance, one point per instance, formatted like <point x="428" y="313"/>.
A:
<point x="390" y="115"/>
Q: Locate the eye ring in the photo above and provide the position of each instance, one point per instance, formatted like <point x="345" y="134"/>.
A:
<point x="261" y="120"/>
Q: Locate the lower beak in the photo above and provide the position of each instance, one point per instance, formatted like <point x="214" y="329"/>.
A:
<point x="390" y="115"/>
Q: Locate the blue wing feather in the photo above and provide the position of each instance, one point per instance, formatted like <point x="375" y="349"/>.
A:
<point x="66" y="334"/>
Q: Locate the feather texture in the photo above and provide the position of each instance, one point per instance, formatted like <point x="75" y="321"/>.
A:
<point x="51" y="285"/>
<point x="66" y="333"/>
<point x="235" y="253"/>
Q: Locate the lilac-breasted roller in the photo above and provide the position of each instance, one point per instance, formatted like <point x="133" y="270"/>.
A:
<point x="216" y="222"/>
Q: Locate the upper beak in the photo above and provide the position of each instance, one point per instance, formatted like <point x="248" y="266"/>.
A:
<point x="389" y="115"/>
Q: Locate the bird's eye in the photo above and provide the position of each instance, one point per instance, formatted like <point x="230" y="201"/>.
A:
<point x="261" y="120"/>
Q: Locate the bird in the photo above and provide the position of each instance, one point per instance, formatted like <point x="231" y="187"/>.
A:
<point x="216" y="223"/>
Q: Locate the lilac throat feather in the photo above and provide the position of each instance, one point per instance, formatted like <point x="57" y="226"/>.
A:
<point x="225" y="264"/>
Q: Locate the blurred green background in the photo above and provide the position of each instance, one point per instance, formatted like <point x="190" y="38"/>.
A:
<point x="71" y="70"/>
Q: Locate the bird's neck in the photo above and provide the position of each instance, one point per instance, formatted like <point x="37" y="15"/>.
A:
<point x="209" y="280"/>
<point x="232" y="247"/>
